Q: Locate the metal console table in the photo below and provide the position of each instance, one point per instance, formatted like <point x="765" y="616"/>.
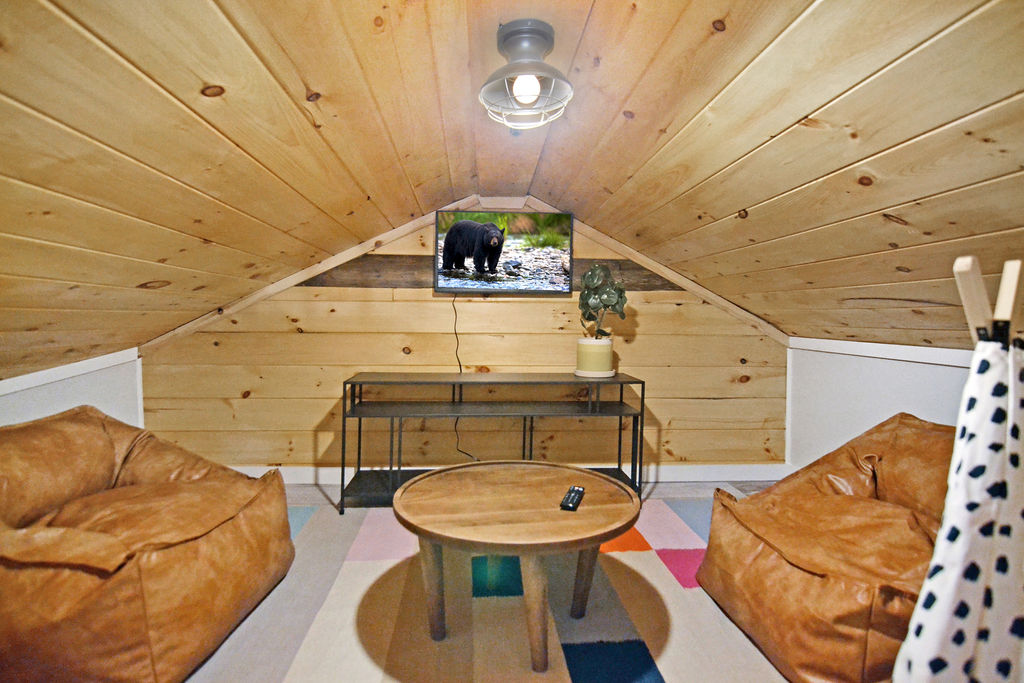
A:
<point x="374" y="488"/>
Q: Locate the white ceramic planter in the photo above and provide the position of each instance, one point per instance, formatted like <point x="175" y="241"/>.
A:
<point x="594" y="357"/>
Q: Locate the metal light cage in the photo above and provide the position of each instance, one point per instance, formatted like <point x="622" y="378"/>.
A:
<point x="525" y="42"/>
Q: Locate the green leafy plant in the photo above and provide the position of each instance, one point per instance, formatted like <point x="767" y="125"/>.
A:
<point x="599" y="294"/>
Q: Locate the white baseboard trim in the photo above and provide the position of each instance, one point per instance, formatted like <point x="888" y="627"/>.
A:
<point x="660" y="472"/>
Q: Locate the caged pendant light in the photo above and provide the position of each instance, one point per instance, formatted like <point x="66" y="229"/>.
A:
<point x="526" y="92"/>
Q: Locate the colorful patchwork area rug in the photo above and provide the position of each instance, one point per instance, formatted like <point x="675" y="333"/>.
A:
<point x="352" y="608"/>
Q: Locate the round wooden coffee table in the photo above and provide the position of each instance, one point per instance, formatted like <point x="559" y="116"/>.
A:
<point x="512" y="508"/>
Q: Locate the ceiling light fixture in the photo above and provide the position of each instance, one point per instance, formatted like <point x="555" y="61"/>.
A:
<point x="526" y="92"/>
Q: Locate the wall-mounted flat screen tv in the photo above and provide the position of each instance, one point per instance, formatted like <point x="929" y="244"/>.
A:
<point x="503" y="252"/>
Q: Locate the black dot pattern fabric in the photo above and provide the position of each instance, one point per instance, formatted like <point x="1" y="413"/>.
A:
<point x="968" y="624"/>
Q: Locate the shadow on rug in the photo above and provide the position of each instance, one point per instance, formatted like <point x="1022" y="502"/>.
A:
<point x="353" y="609"/>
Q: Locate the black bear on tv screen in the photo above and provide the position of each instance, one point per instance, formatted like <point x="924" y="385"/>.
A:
<point x="511" y="252"/>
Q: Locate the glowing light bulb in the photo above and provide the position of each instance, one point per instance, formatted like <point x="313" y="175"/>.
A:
<point x="526" y="88"/>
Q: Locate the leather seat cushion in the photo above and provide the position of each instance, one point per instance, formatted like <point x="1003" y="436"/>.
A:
<point x="195" y="558"/>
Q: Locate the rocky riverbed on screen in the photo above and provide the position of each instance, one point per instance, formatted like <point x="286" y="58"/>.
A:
<point x="519" y="268"/>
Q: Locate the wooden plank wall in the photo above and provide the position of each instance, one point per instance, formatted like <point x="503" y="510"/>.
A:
<point x="263" y="386"/>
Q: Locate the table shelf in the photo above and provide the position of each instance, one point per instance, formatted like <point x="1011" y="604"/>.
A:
<point x="371" y="487"/>
<point x="381" y="409"/>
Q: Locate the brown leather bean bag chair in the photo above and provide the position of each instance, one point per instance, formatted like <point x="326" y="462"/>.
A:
<point x="123" y="557"/>
<point x="823" y="568"/>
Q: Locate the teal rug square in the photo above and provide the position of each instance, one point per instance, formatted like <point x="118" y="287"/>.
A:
<point x="496" y="576"/>
<point x="298" y="516"/>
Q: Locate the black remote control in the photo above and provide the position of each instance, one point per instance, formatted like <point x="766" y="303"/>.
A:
<point x="572" y="498"/>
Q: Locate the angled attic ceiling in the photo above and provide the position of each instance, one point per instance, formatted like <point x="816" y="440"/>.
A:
<point x="819" y="164"/>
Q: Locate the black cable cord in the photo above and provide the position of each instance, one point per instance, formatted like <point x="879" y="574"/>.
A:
<point x="455" y="328"/>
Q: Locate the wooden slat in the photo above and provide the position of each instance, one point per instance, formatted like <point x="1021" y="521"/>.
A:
<point x="833" y="46"/>
<point x="890" y="317"/>
<point x="42" y="152"/>
<point x="313" y="59"/>
<point x="41" y="354"/>
<point x="620" y="42"/>
<point x="58" y="322"/>
<point x="397" y="61"/>
<point x="921" y="91"/>
<point x="913" y="263"/>
<point x="26" y="257"/>
<point x="30" y="211"/>
<point x="308" y="414"/>
<point x="945" y="339"/>
<point x="324" y="381"/>
<point x="50" y="64"/>
<point x="985" y="207"/>
<point x="701" y="291"/>
<point x="690" y="68"/>
<point x="984" y="145"/>
<point x="923" y="293"/>
<point x="473" y="317"/>
<point x="449" y="38"/>
<point x="30" y="292"/>
<point x="291" y="280"/>
<point x="407" y="351"/>
<point x="186" y="48"/>
<point x="324" y="448"/>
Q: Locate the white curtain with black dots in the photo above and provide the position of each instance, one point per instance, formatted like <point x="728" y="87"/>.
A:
<point x="968" y="624"/>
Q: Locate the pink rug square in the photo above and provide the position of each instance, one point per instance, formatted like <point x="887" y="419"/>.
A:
<point x="683" y="564"/>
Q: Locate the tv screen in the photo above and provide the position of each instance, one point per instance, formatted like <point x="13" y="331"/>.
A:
<point x="503" y="252"/>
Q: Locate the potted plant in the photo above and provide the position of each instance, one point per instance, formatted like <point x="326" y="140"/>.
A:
<point x="599" y="293"/>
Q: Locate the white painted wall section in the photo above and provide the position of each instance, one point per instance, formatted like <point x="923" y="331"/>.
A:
<point x="837" y="390"/>
<point x="112" y="383"/>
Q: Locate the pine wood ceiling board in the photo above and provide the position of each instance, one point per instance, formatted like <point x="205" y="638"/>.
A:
<point x="30" y="211"/>
<point x="505" y="159"/>
<point x="907" y="336"/>
<point x="411" y="350"/>
<point x="33" y="292"/>
<point x="696" y="61"/>
<point x="392" y="42"/>
<point x="800" y="320"/>
<point x="984" y="145"/>
<point x="186" y="47"/>
<point x="937" y="292"/>
<point x="310" y="56"/>
<point x="29" y="257"/>
<point x="449" y="38"/>
<point x="44" y="152"/>
<point x="928" y="261"/>
<point x="972" y="64"/>
<point x="989" y="206"/>
<point x="52" y="65"/>
<point x="17" y="360"/>
<point x="833" y="46"/>
<point x="61" y="321"/>
<point x="620" y="41"/>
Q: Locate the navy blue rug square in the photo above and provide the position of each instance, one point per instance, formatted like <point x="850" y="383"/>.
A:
<point x="628" y="661"/>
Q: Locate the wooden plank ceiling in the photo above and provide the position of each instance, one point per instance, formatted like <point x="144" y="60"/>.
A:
<point x="819" y="163"/>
